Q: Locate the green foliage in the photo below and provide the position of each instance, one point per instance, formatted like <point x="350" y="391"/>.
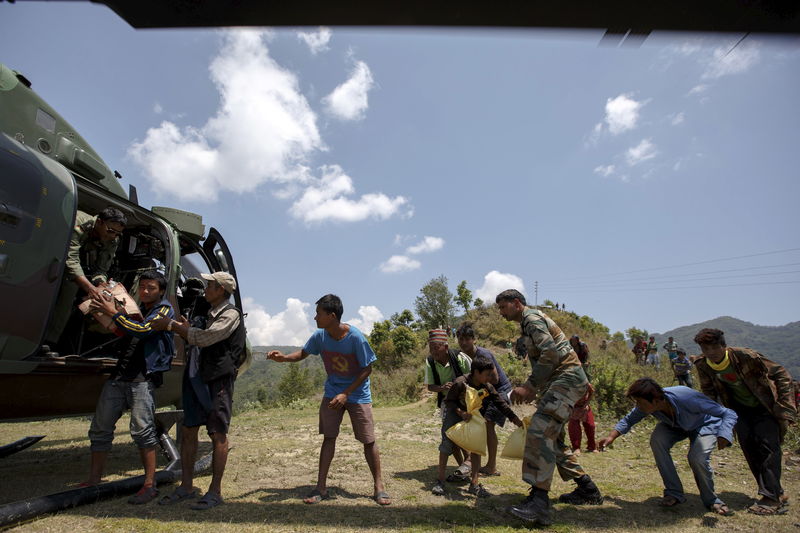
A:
<point x="478" y="302"/>
<point x="435" y="305"/>
<point x="590" y="325"/>
<point x="491" y="328"/>
<point x="548" y="303"/>
<point x="296" y="384"/>
<point x="402" y="319"/>
<point x="634" y="332"/>
<point x="401" y="386"/>
<point x="404" y="340"/>
<point x="463" y="295"/>
<point x="379" y="334"/>
<point x="618" y="336"/>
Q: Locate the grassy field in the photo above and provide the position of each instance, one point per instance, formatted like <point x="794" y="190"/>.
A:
<point x="274" y="462"/>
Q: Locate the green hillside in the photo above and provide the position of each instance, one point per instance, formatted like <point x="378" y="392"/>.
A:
<point x="779" y="343"/>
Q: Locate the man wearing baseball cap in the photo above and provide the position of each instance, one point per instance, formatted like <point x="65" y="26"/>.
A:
<point x="208" y="385"/>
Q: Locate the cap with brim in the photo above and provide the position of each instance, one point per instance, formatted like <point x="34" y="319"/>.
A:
<point x="225" y="280"/>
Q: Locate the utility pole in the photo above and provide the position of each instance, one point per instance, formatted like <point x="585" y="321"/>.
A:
<point x="536" y="292"/>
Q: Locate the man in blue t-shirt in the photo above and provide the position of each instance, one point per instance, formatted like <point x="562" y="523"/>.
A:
<point x="348" y="359"/>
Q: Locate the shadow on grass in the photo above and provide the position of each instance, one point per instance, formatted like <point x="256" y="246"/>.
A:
<point x="283" y="508"/>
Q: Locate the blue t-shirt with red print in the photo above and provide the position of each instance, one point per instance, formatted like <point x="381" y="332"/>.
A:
<point x="344" y="360"/>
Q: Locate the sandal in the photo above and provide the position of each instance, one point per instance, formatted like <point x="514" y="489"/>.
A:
<point x="211" y="499"/>
<point x="483" y="473"/>
<point x="178" y="495"/>
<point x="721" y="509"/>
<point x="382" y="498"/>
<point x="315" y="496"/>
<point x="669" y="501"/>
<point x="145" y="495"/>
<point x="761" y="509"/>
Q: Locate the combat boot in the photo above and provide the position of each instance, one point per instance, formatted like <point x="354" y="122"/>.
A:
<point x="534" y="509"/>
<point x="586" y="493"/>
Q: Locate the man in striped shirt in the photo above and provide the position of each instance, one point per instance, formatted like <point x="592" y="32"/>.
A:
<point x="132" y="382"/>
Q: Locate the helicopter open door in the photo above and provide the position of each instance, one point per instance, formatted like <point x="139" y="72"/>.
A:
<point x="38" y="202"/>
<point x="217" y="252"/>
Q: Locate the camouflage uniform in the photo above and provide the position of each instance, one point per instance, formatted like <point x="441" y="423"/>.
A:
<point x="557" y="373"/>
<point x="87" y="256"/>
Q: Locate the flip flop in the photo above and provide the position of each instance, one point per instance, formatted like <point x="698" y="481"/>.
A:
<point x="211" y="499"/>
<point x="315" y="496"/>
<point x="721" y="509"/>
<point x="484" y="473"/>
<point x="382" y="498"/>
<point x="178" y="495"/>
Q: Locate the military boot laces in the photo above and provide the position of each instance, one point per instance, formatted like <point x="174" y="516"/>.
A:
<point x="535" y="509"/>
<point x="586" y="493"/>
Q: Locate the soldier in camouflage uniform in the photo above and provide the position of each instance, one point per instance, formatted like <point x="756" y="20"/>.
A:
<point x="91" y="252"/>
<point x="557" y="376"/>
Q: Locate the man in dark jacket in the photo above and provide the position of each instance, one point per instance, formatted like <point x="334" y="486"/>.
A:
<point x="760" y="392"/>
<point x="208" y="385"/>
<point x="138" y="371"/>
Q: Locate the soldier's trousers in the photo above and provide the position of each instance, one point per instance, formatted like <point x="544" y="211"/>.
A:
<point x="545" y="447"/>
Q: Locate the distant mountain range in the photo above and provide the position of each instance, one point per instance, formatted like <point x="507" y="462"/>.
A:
<point x="778" y="343"/>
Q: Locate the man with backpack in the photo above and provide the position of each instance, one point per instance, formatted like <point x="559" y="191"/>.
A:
<point x="209" y="400"/>
<point x="442" y="367"/>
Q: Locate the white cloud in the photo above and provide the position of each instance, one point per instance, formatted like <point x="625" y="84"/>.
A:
<point x="698" y="89"/>
<point x="426" y="245"/>
<point x="263" y="131"/>
<point x="369" y="315"/>
<point x="290" y="327"/>
<point x="317" y="41"/>
<point x="496" y="282"/>
<point x="726" y="61"/>
<point x="349" y="100"/>
<point x="399" y="263"/>
<point x="641" y="152"/>
<point x="328" y="198"/>
<point x="604" y="170"/>
<point x="157" y="109"/>
<point x="622" y="113"/>
<point x="678" y="118"/>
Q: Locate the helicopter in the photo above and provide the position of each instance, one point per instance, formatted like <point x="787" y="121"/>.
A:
<point x="48" y="173"/>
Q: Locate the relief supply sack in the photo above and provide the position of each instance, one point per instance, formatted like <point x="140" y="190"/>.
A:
<point x="515" y="445"/>
<point x="471" y="435"/>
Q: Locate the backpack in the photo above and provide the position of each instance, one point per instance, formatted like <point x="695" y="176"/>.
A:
<point x="453" y="356"/>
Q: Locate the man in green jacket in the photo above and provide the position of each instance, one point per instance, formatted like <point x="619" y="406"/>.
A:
<point x="760" y="391"/>
<point x="91" y="252"/>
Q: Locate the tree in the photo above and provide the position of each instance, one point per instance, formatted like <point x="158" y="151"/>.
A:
<point x="295" y="384"/>
<point x="404" y="340"/>
<point x="379" y="334"/>
<point x="548" y="303"/>
<point x="463" y="295"/>
<point x="634" y="332"/>
<point x="402" y="319"/>
<point x="435" y="305"/>
<point x="618" y="337"/>
<point x="478" y="303"/>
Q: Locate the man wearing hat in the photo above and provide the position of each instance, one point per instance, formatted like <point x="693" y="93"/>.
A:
<point x="208" y="385"/>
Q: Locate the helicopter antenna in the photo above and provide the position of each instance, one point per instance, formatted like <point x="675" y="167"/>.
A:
<point x="737" y="43"/>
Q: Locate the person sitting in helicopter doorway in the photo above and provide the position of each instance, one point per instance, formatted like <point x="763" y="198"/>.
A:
<point x="131" y="384"/>
<point x="208" y="386"/>
<point x="91" y="252"/>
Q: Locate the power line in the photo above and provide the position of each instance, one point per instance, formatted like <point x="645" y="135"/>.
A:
<point x="615" y="283"/>
<point x="682" y="265"/>
<point x="624" y="289"/>
<point x="687" y="274"/>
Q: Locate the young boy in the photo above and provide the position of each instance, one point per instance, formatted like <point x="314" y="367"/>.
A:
<point x="582" y="414"/>
<point x="348" y="360"/>
<point x="481" y="373"/>
<point x="682" y="368"/>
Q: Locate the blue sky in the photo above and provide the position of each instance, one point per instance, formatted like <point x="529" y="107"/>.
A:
<point x="367" y="162"/>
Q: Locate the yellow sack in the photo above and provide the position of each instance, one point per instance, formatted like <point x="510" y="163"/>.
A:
<point x="471" y="435"/>
<point x="515" y="445"/>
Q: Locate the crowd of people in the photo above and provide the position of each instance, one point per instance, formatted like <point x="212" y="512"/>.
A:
<point x="741" y="393"/>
